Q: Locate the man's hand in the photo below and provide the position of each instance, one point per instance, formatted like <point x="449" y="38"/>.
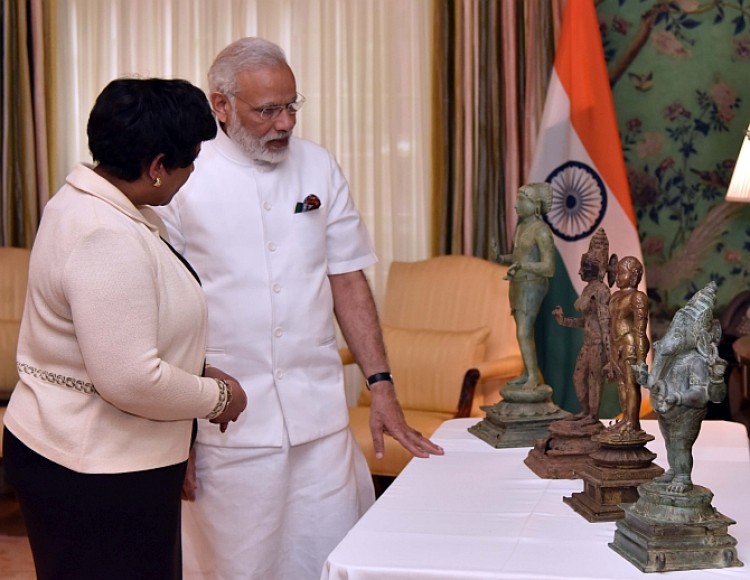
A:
<point x="238" y="402"/>
<point x="386" y="417"/>
<point x="190" y="484"/>
<point x="358" y="318"/>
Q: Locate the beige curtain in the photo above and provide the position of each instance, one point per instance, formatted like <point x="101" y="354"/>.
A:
<point x="493" y="62"/>
<point x="25" y="82"/>
<point x="363" y="66"/>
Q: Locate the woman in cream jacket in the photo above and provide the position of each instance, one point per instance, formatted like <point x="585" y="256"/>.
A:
<point x="111" y="349"/>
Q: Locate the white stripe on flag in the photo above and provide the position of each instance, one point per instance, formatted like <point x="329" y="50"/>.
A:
<point x="559" y="143"/>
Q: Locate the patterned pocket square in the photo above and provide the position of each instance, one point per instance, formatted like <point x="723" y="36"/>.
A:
<point x="311" y="203"/>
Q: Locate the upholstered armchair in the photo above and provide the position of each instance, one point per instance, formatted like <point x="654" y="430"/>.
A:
<point x="14" y="273"/>
<point x="451" y="342"/>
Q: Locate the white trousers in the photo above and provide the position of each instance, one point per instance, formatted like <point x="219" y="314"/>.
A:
<point x="273" y="513"/>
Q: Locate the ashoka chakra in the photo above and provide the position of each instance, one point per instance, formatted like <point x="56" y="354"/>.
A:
<point x="579" y="201"/>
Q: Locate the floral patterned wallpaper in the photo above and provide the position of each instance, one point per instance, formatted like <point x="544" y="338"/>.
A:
<point x="680" y="73"/>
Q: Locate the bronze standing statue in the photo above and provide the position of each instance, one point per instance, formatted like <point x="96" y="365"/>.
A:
<point x="532" y="264"/>
<point x="628" y="308"/>
<point x="526" y="408"/>
<point x="686" y="375"/>
<point x="593" y="304"/>
<point x="567" y="448"/>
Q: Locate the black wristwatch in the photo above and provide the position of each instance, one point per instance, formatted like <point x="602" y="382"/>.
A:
<point x="377" y="377"/>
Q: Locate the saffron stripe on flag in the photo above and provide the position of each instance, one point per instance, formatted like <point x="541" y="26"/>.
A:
<point x="582" y="71"/>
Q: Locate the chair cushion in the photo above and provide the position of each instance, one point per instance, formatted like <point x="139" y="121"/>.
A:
<point x="428" y="366"/>
<point x="456" y="293"/>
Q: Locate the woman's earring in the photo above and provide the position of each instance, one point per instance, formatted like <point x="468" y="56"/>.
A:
<point x="157" y="182"/>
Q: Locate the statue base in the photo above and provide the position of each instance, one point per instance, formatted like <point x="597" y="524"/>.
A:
<point x="522" y="417"/>
<point x="664" y="531"/>
<point x="613" y="475"/>
<point x="566" y="449"/>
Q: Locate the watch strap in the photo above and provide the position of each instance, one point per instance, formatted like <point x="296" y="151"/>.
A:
<point x="377" y="377"/>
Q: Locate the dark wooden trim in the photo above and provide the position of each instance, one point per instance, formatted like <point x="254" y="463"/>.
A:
<point x="466" y="398"/>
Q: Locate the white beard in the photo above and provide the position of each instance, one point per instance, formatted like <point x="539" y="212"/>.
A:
<point x="256" y="147"/>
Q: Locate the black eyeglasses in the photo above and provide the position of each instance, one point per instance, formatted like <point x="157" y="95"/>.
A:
<point x="271" y="112"/>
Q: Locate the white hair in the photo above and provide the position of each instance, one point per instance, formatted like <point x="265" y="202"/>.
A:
<point x="243" y="54"/>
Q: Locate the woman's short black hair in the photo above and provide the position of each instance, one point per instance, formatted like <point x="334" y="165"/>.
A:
<point x="134" y="120"/>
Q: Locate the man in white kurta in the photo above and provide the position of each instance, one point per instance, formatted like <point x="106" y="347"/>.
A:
<point x="268" y="223"/>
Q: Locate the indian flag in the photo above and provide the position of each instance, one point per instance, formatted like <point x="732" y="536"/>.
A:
<point x="579" y="153"/>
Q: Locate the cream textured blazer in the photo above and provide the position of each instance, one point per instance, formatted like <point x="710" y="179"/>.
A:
<point x="112" y="339"/>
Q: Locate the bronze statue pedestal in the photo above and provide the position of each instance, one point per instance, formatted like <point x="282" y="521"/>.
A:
<point x="522" y="417"/>
<point x="666" y="531"/>
<point x="566" y="449"/>
<point x="613" y="475"/>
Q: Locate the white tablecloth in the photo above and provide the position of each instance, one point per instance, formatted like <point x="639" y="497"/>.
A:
<point x="481" y="513"/>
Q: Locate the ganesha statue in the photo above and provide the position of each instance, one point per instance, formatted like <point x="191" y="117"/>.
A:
<point x="687" y="373"/>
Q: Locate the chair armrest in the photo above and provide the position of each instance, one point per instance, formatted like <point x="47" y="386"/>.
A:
<point x="466" y="398"/>
<point x="508" y="366"/>
<point x="347" y="358"/>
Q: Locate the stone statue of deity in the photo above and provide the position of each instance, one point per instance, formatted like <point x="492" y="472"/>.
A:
<point x="687" y="373"/>
<point x="532" y="264"/>
<point x="593" y="304"/>
<point x="628" y="309"/>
